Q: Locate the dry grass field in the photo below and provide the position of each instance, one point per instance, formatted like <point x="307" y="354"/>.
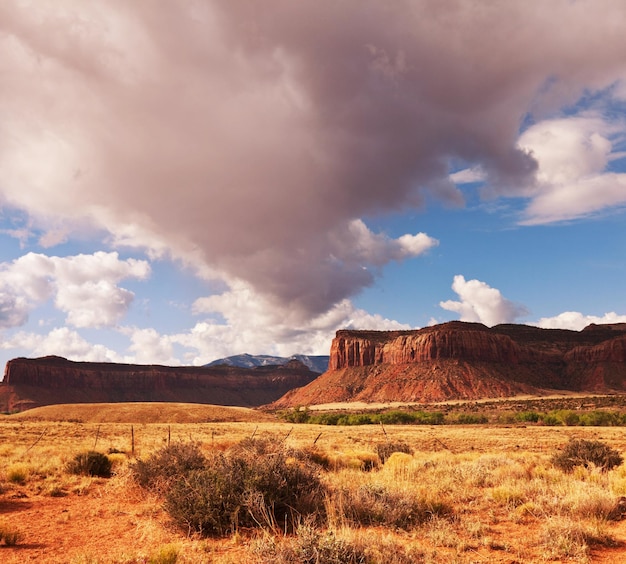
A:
<point x="479" y="493"/>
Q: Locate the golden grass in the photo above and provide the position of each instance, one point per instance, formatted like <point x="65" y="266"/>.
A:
<point x="140" y="412"/>
<point x="509" y="503"/>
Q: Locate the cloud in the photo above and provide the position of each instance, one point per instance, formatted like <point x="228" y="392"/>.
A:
<point x="577" y="321"/>
<point x="249" y="138"/>
<point x="239" y="320"/>
<point x="481" y="303"/>
<point x="83" y="286"/>
<point x="572" y="179"/>
<point x="60" y="342"/>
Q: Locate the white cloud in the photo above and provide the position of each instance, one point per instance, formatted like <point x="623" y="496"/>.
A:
<point x="248" y="322"/>
<point x="481" y="303"/>
<point x="572" y="181"/>
<point x="149" y="347"/>
<point x="83" y="286"/>
<point x="577" y="321"/>
<point x="60" y="342"/>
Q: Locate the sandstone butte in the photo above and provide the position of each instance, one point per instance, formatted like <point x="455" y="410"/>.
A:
<point x="49" y="380"/>
<point x="469" y="361"/>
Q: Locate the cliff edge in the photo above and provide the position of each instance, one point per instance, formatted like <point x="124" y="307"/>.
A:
<point x="459" y="360"/>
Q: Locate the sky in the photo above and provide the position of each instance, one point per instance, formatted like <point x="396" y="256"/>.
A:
<point x="184" y="181"/>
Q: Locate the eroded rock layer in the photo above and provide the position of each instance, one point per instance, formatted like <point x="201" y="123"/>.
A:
<point x="459" y="360"/>
<point x="49" y="380"/>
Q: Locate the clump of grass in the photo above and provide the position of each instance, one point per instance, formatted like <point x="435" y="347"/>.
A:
<point x="90" y="463"/>
<point x="310" y="545"/>
<point x="385" y="450"/>
<point x="166" y="554"/>
<point x="579" y="452"/>
<point x="18" y="473"/>
<point x="572" y="539"/>
<point x="9" y="536"/>
<point x="376" y="505"/>
<point x="167" y="465"/>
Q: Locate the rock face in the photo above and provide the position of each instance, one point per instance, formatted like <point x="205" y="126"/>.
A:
<point x="34" y="382"/>
<point x="459" y="360"/>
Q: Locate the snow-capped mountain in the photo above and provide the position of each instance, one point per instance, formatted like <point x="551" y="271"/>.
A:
<point x="317" y="364"/>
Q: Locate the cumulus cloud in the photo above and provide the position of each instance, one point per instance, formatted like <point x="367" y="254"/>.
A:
<point x="250" y="137"/>
<point x="63" y="342"/>
<point x="577" y="321"/>
<point x="83" y="286"/>
<point x="241" y="321"/>
<point x="481" y="303"/>
<point x="572" y="179"/>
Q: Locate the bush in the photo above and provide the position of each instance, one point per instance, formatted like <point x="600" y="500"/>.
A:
<point x="579" y="452"/>
<point x="8" y="536"/>
<point x="90" y="463"/>
<point x="470" y="419"/>
<point x="245" y="489"/>
<point x="528" y="417"/>
<point x="168" y="464"/>
<point x="385" y="450"/>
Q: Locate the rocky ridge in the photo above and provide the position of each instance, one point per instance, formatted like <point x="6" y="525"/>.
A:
<point x="460" y="360"/>
<point x="51" y="380"/>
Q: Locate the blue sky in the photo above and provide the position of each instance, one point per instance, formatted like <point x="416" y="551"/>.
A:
<point x="201" y="179"/>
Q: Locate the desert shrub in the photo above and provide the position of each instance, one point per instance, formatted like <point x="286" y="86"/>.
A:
<point x="599" y="419"/>
<point x="565" y="538"/>
<point x="568" y="417"/>
<point x="579" y="452"/>
<point x="244" y="489"/>
<point x="90" y="463"/>
<point x="397" y="417"/>
<point x="528" y="416"/>
<point x="550" y="420"/>
<point x="428" y="417"/>
<point x="313" y="455"/>
<point x="9" y="536"/>
<point x="166" y="554"/>
<point x="296" y="415"/>
<point x="470" y="419"/>
<point x="374" y="505"/>
<point x="385" y="450"/>
<point x="18" y="473"/>
<point x="168" y="464"/>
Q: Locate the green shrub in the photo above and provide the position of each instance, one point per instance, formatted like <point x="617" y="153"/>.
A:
<point x="243" y="488"/>
<point x="599" y="419"/>
<point x="579" y="452"/>
<point x="90" y="463"/>
<point x="297" y="415"/>
<point x="470" y="419"/>
<point x="168" y="464"/>
<point x="528" y="417"/>
<point x="385" y="450"/>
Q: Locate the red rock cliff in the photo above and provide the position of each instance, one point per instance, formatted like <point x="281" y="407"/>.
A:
<point x="34" y="382"/>
<point x="459" y="360"/>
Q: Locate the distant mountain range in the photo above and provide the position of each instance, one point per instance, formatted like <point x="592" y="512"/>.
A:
<point x="317" y="364"/>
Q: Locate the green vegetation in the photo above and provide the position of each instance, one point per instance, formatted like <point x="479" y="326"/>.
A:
<point x="396" y="417"/>
<point x="557" y="417"/>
